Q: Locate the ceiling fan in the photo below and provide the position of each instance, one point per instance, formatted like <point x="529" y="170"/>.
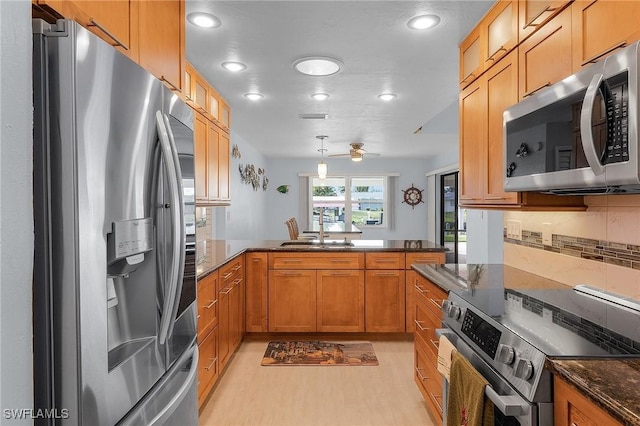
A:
<point x="356" y="152"/>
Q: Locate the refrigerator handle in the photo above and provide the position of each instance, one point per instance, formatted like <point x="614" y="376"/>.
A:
<point x="586" y="132"/>
<point x="176" y="229"/>
<point x="182" y="241"/>
<point x="182" y="392"/>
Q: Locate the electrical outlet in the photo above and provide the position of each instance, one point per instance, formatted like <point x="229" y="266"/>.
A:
<point x="514" y="229"/>
<point x="546" y="234"/>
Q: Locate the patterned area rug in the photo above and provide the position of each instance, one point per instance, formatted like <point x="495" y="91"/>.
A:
<point x="314" y="352"/>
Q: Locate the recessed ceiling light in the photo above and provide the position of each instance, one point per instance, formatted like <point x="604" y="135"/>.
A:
<point x="320" y="96"/>
<point x="387" y="96"/>
<point x="253" y="96"/>
<point x="422" y="22"/>
<point x="234" y="66"/>
<point x="203" y="20"/>
<point x="318" y="65"/>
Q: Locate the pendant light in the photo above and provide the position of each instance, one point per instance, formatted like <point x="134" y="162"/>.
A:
<point x="322" y="166"/>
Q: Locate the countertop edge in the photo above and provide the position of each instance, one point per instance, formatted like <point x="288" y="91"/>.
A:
<point x="438" y="279"/>
<point x="603" y="400"/>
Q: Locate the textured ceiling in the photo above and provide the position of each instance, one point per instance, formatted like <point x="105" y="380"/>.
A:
<point x="380" y="54"/>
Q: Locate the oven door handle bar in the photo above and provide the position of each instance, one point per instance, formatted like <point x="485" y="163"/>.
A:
<point x="509" y="405"/>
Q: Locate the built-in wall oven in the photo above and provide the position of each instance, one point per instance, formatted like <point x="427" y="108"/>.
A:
<point x="508" y="323"/>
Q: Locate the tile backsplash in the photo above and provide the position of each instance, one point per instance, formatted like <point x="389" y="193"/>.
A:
<point x="600" y="246"/>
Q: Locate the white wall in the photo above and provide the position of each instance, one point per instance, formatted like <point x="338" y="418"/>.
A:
<point x="484" y="236"/>
<point x="246" y="218"/>
<point x="16" y="214"/>
<point x="408" y="223"/>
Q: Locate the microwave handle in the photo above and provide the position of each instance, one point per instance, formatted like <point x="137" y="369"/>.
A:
<point x="586" y="133"/>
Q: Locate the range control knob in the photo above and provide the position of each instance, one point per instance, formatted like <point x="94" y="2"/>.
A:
<point x="454" y="312"/>
<point x="524" y="369"/>
<point x="506" y="354"/>
<point x="446" y="305"/>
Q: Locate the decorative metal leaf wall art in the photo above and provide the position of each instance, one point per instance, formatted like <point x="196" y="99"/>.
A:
<point x="250" y="176"/>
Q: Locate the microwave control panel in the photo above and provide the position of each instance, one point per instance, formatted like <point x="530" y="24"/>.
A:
<point x="617" y="116"/>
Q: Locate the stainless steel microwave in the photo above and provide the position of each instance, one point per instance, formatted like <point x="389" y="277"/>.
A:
<point x="580" y="135"/>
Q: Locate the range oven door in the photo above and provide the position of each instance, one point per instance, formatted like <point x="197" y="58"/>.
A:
<point x="511" y="409"/>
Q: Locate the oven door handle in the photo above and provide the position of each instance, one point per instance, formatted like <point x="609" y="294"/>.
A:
<point x="509" y="405"/>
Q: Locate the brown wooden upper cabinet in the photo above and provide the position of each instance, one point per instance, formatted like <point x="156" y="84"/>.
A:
<point x="162" y="40"/>
<point x="494" y="36"/>
<point x="533" y="14"/>
<point x="602" y="27"/>
<point x="545" y="57"/>
<point x="149" y="32"/>
<point x="109" y="20"/>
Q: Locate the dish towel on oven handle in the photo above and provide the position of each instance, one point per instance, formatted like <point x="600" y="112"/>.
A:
<point x="445" y="352"/>
<point x="467" y="404"/>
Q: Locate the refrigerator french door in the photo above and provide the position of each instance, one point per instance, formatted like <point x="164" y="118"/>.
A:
<point x="114" y="273"/>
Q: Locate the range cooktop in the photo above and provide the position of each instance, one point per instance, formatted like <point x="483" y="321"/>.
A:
<point x="557" y="319"/>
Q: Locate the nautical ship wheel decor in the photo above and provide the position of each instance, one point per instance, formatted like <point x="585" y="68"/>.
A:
<point x="412" y="196"/>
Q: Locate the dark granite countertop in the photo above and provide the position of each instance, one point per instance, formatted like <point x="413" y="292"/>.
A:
<point x="612" y="384"/>
<point x="211" y="254"/>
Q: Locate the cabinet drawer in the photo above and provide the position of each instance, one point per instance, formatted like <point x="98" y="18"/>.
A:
<point x="384" y="261"/>
<point x="424" y="257"/>
<point x="207" y="365"/>
<point x="207" y="296"/>
<point x="428" y="379"/>
<point x="231" y="271"/>
<point x="426" y="325"/>
<point x="429" y="294"/>
<point x="316" y="260"/>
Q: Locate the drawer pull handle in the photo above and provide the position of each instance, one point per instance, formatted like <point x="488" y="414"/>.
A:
<point x="385" y="274"/>
<point x="256" y="260"/>
<point x="94" y="23"/>
<point x="435" y="302"/>
<point x="226" y="290"/>
<point x="546" y="9"/>
<point x="291" y="274"/>
<point x="210" y="305"/>
<point x="237" y="267"/>
<point x="341" y="260"/>
<point x="213" y="361"/>
<point x="492" y="58"/>
<point x="425" y="260"/>
<point x="386" y="260"/>
<point x="547" y="84"/>
<point x="291" y="260"/>
<point x="420" y="376"/>
<point x="609" y="50"/>
<point x="173" y="86"/>
<point x="227" y="275"/>
<point x="340" y="274"/>
<point x="419" y="325"/>
<point x="469" y="198"/>
<point x="435" y="399"/>
<point x="494" y="198"/>
<point x="435" y="343"/>
<point x="420" y="289"/>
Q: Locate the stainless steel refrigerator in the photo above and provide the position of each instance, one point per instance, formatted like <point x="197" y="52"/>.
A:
<point x="114" y="275"/>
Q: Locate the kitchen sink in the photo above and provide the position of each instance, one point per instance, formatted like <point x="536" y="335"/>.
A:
<point x="317" y="244"/>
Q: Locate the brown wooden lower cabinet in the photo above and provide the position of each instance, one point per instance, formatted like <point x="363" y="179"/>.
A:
<point x="340" y="296"/>
<point x="385" y="305"/>
<point x="292" y="301"/>
<point x="429" y="381"/>
<point x="571" y="408"/>
<point x="256" y="274"/>
<point x="208" y="366"/>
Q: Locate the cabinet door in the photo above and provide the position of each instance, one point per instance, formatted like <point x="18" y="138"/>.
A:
<point x="292" y="301"/>
<point x="161" y="39"/>
<point x="225" y="115"/>
<point x="473" y="142"/>
<point x="208" y="369"/>
<point x="109" y="20"/>
<point x="224" y="160"/>
<point x="256" y="292"/>
<point x="340" y="301"/>
<point x="213" y="159"/>
<point x="200" y="139"/>
<point x="502" y="92"/>
<point x="545" y="57"/>
<point x="601" y="27"/>
<point x="385" y="301"/>
<point x="188" y="82"/>
<point x="472" y="54"/>
<point x="534" y="13"/>
<point x="502" y="30"/>
<point x="572" y="408"/>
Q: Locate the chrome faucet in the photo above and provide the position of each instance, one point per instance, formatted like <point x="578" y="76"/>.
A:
<point x="321" y="225"/>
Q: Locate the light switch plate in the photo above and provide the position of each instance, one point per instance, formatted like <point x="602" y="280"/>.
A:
<point x="514" y="229"/>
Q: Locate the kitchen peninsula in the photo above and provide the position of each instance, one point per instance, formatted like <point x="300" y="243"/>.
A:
<point x="263" y="286"/>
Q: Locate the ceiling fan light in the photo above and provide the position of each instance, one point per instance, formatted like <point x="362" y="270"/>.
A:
<point x="357" y="159"/>
<point x="204" y="20"/>
<point x="320" y="96"/>
<point x="322" y="170"/>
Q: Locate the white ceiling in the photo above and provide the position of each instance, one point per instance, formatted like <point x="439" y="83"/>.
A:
<point x="380" y="54"/>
